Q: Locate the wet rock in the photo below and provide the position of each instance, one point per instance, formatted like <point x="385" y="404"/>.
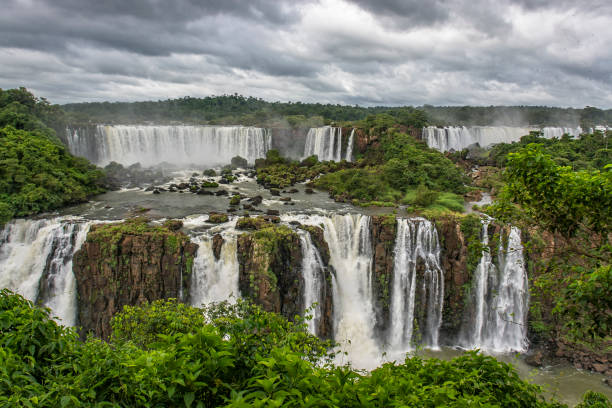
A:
<point x="183" y="186"/>
<point x="256" y="200"/>
<point x="285" y="199"/>
<point x="600" y="368"/>
<point x="204" y="192"/>
<point x="309" y="191"/>
<point x="173" y="225"/>
<point x="221" y="193"/>
<point x="293" y="191"/>
<point x="272" y="212"/>
<point x="217" y="244"/>
<point x="274" y="192"/>
<point x="150" y="188"/>
<point x="156" y="191"/>
<point x="247" y="207"/>
<point x="535" y="359"/>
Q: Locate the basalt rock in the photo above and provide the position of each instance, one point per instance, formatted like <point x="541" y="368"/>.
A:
<point x="128" y="264"/>
<point x="383" y="229"/>
<point x="270" y="260"/>
<point x="217" y="245"/>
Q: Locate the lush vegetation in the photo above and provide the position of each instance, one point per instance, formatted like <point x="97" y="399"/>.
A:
<point x="169" y="354"/>
<point x="36" y="172"/>
<point x="572" y="289"/>
<point x="398" y="169"/>
<point x="228" y="109"/>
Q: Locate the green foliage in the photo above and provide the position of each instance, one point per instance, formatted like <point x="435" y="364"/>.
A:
<point x="168" y="354"/>
<point x="589" y="152"/>
<point x="557" y="197"/>
<point x="586" y="304"/>
<point x="39" y="175"/>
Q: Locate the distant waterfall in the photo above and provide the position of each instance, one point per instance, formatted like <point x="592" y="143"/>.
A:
<point x="178" y="145"/>
<point x="36" y="261"/>
<point x="416" y="243"/>
<point x="312" y="271"/>
<point x="501" y="297"/>
<point x="325" y="142"/>
<point x="215" y="280"/>
<point x="460" y="137"/>
<point x="349" y="147"/>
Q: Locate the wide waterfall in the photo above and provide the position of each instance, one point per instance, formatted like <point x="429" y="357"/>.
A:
<point x="212" y="279"/>
<point x="416" y="244"/>
<point x="36" y="262"/>
<point x="501" y="298"/>
<point x="460" y="137"/>
<point x="312" y="271"/>
<point x="179" y="145"/>
<point x="349" y="147"/>
<point x="325" y="142"/>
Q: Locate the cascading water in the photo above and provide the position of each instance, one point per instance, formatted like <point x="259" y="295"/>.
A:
<point x="313" y="273"/>
<point x="416" y="244"/>
<point x="179" y="145"/>
<point x="325" y="142"/>
<point x="212" y="279"/>
<point x="460" y="137"/>
<point x="349" y="147"/>
<point x="501" y="298"/>
<point x="36" y="261"/>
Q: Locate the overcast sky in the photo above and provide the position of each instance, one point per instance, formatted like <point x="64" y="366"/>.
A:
<point x="366" y="52"/>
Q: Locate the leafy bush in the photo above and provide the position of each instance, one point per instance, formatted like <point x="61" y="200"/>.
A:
<point x="169" y="354"/>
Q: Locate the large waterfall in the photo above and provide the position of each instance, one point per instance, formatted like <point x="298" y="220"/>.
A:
<point x="501" y="298"/>
<point x="416" y="245"/>
<point x="325" y="142"/>
<point x="36" y="262"/>
<point x="460" y="137"/>
<point x="178" y="145"/>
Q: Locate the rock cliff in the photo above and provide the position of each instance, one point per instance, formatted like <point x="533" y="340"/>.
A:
<point x="128" y="264"/>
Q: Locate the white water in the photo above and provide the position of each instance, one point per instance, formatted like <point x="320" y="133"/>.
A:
<point x="349" y="147"/>
<point x="499" y="324"/>
<point x="458" y="138"/>
<point x="215" y="280"/>
<point x="325" y="142"/>
<point x="313" y="273"/>
<point x="30" y="249"/>
<point x="178" y="145"/>
<point x="416" y="241"/>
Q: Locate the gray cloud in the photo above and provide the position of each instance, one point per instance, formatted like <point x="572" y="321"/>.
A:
<point x="340" y="51"/>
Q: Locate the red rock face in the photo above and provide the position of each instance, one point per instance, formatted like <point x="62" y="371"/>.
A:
<point x="140" y="268"/>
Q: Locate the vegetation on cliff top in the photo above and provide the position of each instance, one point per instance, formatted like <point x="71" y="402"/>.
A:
<point x="168" y="354"/>
<point x="37" y="173"/>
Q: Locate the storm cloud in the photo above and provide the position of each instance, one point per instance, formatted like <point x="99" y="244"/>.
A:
<point x="367" y="52"/>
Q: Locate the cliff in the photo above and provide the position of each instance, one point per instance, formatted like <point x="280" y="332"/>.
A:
<point x="128" y="264"/>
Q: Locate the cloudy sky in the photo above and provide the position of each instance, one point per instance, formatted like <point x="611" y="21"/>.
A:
<point x="366" y="52"/>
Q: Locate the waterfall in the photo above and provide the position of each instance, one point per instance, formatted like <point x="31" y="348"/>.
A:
<point x="325" y="142"/>
<point x="312" y="271"/>
<point x="501" y="297"/>
<point x="36" y="262"/>
<point x="460" y="137"/>
<point x="180" y="145"/>
<point x="215" y="280"/>
<point x="416" y="244"/>
<point x="349" y="147"/>
<point x="557" y="132"/>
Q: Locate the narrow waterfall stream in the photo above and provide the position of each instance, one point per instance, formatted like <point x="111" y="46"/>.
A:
<point x="212" y="279"/>
<point x="416" y="244"/>
<point x="36" y="262"/>
<point x="501" y="298"/>
<point x="325" y="142"/>
<point x="349" y="146"/>
<point x="312" y="270"/>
